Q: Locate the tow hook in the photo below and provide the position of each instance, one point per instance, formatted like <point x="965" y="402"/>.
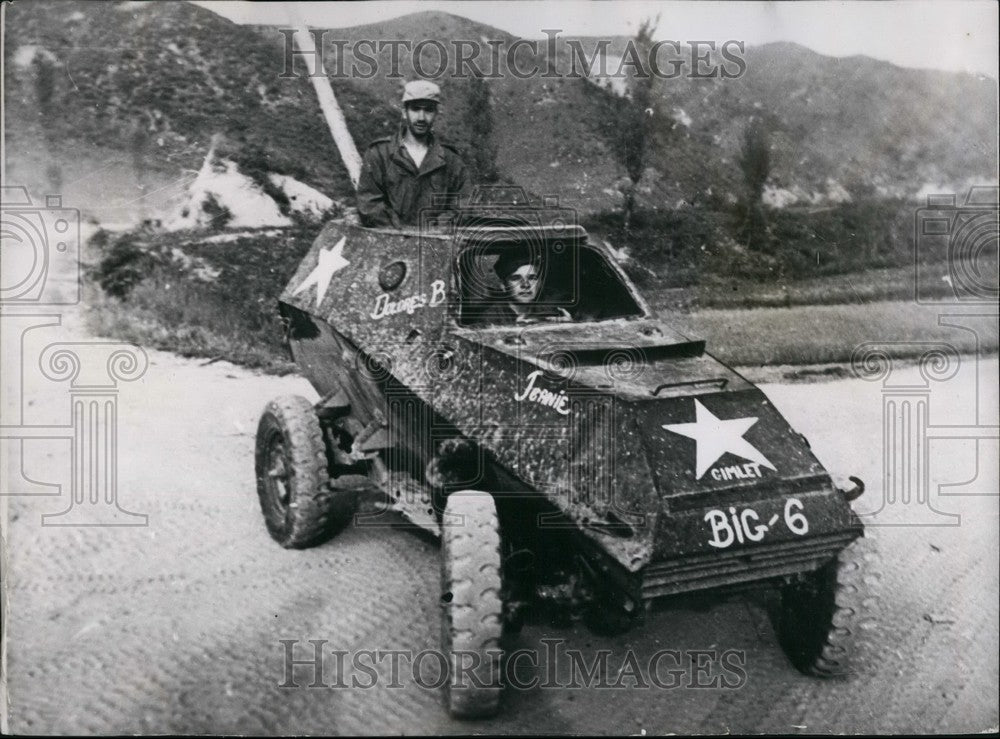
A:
<point x="856" y="491"/>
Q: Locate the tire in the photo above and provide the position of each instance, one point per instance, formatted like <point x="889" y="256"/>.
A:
<point x="472" y="605"/>
<point x="819" y="619"/>
<point x="300" y="507"/>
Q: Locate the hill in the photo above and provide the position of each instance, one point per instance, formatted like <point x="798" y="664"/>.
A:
<point x="136" y="91"/>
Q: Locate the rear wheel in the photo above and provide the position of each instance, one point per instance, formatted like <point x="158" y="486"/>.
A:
<point x="819" y="617"/>
<point x="300" y="507"/>
<point x="472" y="605"/>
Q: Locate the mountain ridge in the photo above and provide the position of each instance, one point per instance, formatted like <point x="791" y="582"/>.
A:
<point x="147" y="86"/>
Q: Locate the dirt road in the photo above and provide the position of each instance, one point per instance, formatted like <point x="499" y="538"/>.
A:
<point x="176" y="626"/>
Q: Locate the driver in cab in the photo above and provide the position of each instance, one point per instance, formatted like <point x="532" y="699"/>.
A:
<point x="521" y="278"/>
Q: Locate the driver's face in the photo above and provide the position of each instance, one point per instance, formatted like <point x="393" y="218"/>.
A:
<point x="523" y="284"/>
<point x="420" y="115"/>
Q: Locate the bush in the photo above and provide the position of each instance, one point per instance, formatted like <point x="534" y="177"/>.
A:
<point x="667" y="248"/>
<point x="218" y="213"/>
<point x="123" y="266"/>
<point x="482" y="158"/>
<point x="692" y="246"/>
<point x="160" y="301"/>
<point x="843" y="238"/>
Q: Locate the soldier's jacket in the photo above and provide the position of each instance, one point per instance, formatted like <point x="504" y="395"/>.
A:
<point x="393" y="192"/>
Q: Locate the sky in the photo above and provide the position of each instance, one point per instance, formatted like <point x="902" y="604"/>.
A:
<point x="956" y="35"/>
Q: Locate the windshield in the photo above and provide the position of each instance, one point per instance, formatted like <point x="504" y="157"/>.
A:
<point x="520" y="282"/>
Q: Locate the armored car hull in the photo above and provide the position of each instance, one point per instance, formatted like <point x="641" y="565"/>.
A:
<point x="613" y="460"/>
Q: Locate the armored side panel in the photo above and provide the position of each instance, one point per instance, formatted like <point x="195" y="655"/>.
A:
<point x="669" y="469"/>
<point x="365" y="313"/>
<point x="365" y="304"/>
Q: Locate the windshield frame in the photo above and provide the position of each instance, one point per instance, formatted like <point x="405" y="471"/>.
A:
<point x="599" y="252"/>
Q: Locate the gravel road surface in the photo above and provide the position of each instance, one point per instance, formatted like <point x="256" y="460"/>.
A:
<point x="176" y="626"/>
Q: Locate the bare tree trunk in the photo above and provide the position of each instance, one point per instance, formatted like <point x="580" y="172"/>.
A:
<point x="627" y="210"/>
<point x="328" y="101"/>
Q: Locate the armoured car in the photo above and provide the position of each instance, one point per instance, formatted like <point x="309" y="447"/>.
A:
<point x="579" y="463"/>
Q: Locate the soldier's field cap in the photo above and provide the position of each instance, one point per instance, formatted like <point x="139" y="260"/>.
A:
<point x="511" y="260"/>
<point x="421" y="90"/>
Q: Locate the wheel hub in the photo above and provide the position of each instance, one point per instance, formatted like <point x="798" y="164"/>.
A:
<point x="277" y="473"/>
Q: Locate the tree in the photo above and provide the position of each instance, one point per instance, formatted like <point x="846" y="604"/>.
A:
<point x="45" y="93"/>
<point x="635" y="122"/>
<point x="483" y="159"/>
<point x="45" y="87"/>
<point x="139" y="141"/>
<point x="755" y="162"/>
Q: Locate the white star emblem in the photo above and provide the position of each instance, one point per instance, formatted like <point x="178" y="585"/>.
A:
<point x="715" y="437"/>
<point x="330" y="261"/>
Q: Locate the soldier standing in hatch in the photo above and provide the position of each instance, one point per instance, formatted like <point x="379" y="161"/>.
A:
<point x="412" y="171"/>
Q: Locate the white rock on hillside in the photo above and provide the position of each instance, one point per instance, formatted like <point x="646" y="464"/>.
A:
<point x="681" y="117"/>
<point x="220" y="180"/>
<point x="780" y="197"/>
<point x="303" y="199"/>
<point x="603" y="73"/>
<point x="26" y="53"/>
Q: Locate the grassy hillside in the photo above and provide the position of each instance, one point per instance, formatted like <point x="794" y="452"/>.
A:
<point x="142" y="88"/>
<point x="871" y="127"/>
<point x="151" y="83"/>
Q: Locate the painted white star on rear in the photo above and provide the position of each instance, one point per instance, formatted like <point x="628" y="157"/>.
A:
<point x="330" y="262"/>
<point x="714" y="437"/>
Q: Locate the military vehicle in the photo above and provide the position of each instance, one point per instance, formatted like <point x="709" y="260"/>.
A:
<point x="581" y="461"/>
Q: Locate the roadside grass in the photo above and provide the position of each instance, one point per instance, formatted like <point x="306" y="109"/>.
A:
<point x="186" y="322"/>
<point x="217" y="298"/>
<point x="869" y="286"/>
<point x="183" y="320"/>
<point x="194" y="320"/>
<point x="231" y="316"/>
<point x="822" y="334"/>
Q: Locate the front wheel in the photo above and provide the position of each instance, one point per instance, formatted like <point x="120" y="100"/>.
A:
<point x="820" y="618"/>
<point x="472" y="605"/>
<point x="300" y="506"/>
